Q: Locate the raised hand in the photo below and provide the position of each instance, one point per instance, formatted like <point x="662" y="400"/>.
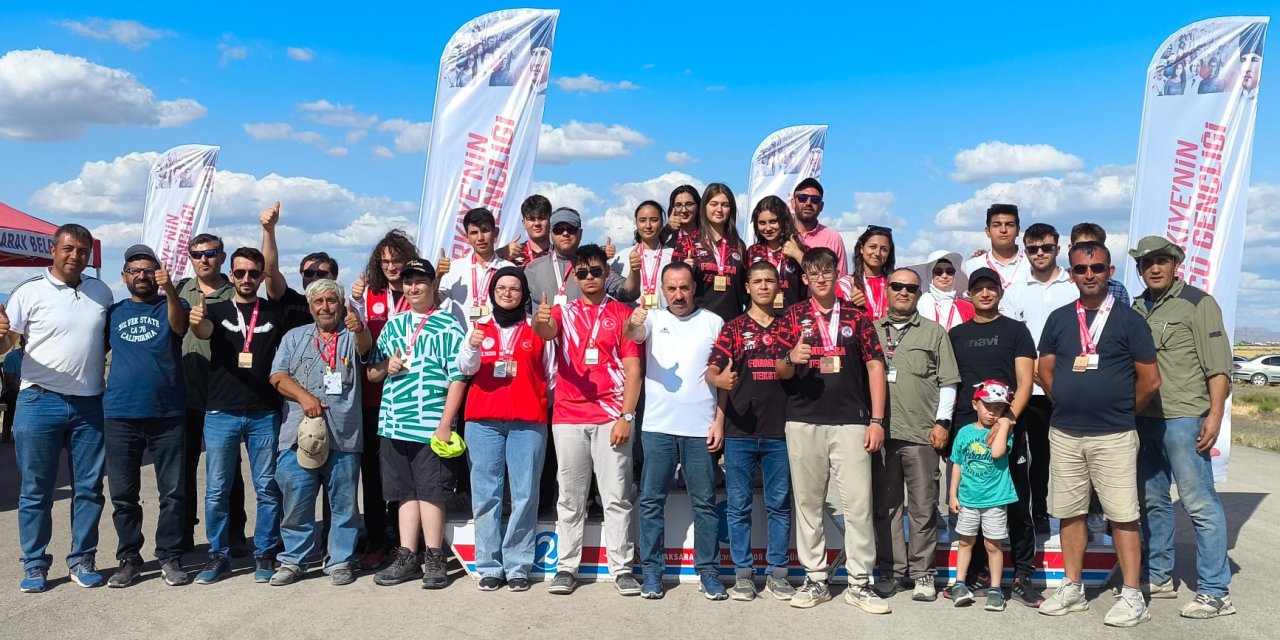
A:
<point x="396" y="364"/>
<point x="791" y="248"/>
<point x="727" y="378"/>
<point x="4" y="321"/>
<point x="634" y="259"/>
<point x="357" y="288"/>
<point x="197" y="312"/>
<point x="609" y="249"/>
<point x="270" y="216"/>
<point x="163" y="281"/>
<point x="352" y="320"/>
<point x="476" y="338"/>
<point x="637" y="317"/>
<point x="513" y="249"/>
<point x="801" y="353"/>
<point x="442" y="267"/>
<point x="543" y="316"/>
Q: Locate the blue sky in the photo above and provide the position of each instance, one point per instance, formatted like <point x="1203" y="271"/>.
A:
<point x="1042" y="106"/>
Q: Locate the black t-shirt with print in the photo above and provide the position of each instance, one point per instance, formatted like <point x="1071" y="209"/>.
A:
<point x="232" y="388"/>
<point x="987" y="351"/>
<point x="790" y="284"/>
<point x="829" y="398"/>
<point x="757" y="407"/>
<point x="733" y="300"/>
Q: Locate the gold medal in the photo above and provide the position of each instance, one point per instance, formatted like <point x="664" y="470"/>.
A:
<point x="721" y="283"/>
<point x="650" y="301"/>
<point x="246" y="360"/>
<point x="778" y="301"/>
<point x="830" y="364"/>
<point x="1080" y="364"/>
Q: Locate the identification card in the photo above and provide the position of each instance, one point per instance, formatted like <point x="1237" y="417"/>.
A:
<point x="1080" y="364"/>
<point x="560" y="300"/>
<point x="830" y="364"/>
<point x="721" y="283"/>
<point x="246" y="360"/>
<point x="892" y="375"/>
<point x="504" y="369"/>
<point x="778" y="301"/>
<point x="651" y="301"/>
<point x="333" y="383"/>
<point x="592" y="356"/>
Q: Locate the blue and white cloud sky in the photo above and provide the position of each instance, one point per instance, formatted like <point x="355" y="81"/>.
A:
<point x="934" y="113"/>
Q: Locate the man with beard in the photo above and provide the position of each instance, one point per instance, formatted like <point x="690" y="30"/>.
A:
<point x="806" y="204"/>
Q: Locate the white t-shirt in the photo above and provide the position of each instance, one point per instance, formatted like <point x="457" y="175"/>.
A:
<point x="66" y="333"/>
<point x="1031" y="301"/>
<point x="1016" y="271"/>
<point x="621" y="265"/>
<point x="678" y="399"/>
<point x="457" y="285"/>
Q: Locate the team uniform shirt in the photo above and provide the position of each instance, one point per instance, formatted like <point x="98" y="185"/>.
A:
<point x="590" y="393"/>
<point x="1191" y="346"/>
<point x="412" y="402"/>
<point x="527" y="253"/>
<point x="985" y="481"/>
<point x="509" y="374"/>
<point x="145" y="380"/>
<point x="875" y="290"/>
<point x="678" y="399"/>
<point x="1101" y="399"/>
<point x="791" y="287"/>
<point x="824" y="236"/>
<point x="64" y="326"/>
<point x="757" y="407"/>
<point x="376" y="308"/>
<point x="329" y="369"/>
<point x="195" y="352"/>
<point x="651" y="265"/>
<point x="945" y="308"/>
<point x="1017" y="270"/>
<point x="920" y="362"/>
<point x="987" y="351"/>
<point x="467" y="285"/>
<point x="1031" y="301"/>
<point x="722" y="263"/>
<point x="842" y="397"/>
<point x="234" y="388"/>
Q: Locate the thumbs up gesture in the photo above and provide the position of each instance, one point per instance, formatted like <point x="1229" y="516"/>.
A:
<point x="728" y="378"/>
<point x="634" y="259"/>
<point x="357" y="288"/>
<point x="4" y="321"/>
<point x="801" y="353"/>
<point x="270" y="216"/>
<point x="352" y="320"/>
<point x="543" y="316"/>
<point x="442" y="267"/>
<point x="396" y="364"/>
<point x="476" y="338"/>
<point x="197" y="312"/>
<point x="791" y="248"/>
<point x="637" y="317"/>
<point x="609" y="249"/>
<point x="513" y="249"/>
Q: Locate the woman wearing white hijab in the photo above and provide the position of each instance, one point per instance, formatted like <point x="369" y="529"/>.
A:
<point x="941" y="301"/>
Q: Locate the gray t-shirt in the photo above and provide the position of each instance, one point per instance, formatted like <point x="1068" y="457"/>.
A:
<point x="300" y="357"/>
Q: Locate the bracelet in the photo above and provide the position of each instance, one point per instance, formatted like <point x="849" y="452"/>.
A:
<point x="878" y="421"/>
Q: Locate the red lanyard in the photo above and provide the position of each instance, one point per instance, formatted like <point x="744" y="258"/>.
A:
<point x="480" y="295"/>
<point x="408" y="348"/>
<point x="529" y="254"/>
<point x="722" y="254"/>
<point x="1090" y="334"/>
<point x="876" y="295"/>
<point x="329" y="354"/>
<point x="401" y="305"/>
<point x="951" y="314"/>
<point x="564" y="282"/>
<point x="247" y="330"/>
<point x="507" y="348"/>
<point x="1004" y="284"/>
<point x="829" y="333"/>
<point x="649" y="279"/>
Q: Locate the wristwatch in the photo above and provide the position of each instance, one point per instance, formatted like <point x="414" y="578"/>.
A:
<point x="878" y="421"/>
<point x="945" y="423"/>
<point x="630" y="417"/>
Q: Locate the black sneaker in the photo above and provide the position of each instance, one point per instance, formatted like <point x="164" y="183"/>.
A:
<point x="1025" y="593"/>
<point x="562" y="584"/>
<point x="172" y="572"/>
<point x="124" y="576"/>
<point x="406" y="565"/>
<point x="434" y="574"/>
<point x="342" y="576"/>
<point x="214" y="570"/>
<point x="490" y="583"/>
<point x="518" y="584"/>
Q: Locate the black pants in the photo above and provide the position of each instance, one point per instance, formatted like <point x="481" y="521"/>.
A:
<point x="1022" y="533"/>
<point x="126" y="441"/>
<point x="1036" y="418"/>
<point x="191" y="482"/>
<point x="375" y="507"/>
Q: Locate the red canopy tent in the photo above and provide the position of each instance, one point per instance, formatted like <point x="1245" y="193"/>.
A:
<point x="25" y="241"/>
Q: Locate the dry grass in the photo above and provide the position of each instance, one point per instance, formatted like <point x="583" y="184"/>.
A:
<point x="1255" y="417"/>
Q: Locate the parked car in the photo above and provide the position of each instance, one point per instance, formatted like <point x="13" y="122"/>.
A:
<point x="1239" y="359"/>
<point x="1259" y="371"/>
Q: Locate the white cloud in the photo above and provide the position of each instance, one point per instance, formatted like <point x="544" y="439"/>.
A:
<point x="869" y="208"/>
<point x="231" y="51"/>
<point x="336" y="115"/>
<point x="618" y="221"/>
<point x="129" y="33"/>
<point x="574" y="196"/>
<point x="411" y="137"/>
<point x="586" y="141"/>
<point x="364" y="231"/>
<point x="336" y="152"/>
<point x="590" y="84"/>
<point x="300" y="54"/>
<point x="995" y="159"/>
<point x="354" y="136"/>
<point x="382" y="153"/>
<point x="52" y="96"/>
<point x="680" y="158"/>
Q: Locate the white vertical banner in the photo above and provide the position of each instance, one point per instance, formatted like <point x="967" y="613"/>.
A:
<point x="177" y="209"/>
<point x="484" y="132"/>
<point x="1193" y="160"/>
<point x="782" y="160"/>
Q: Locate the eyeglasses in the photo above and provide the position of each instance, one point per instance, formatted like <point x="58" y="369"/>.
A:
<point x="564" y="230"/>
<point x="685" y="205"/>
<point x="316" y="273"/>
<point x="511" y="290"/>
<point x="1033" y="249"/>
<point x="396" y="262"/>
<point x="138" y="271"/>
<point x="240" y="274"/>
<point x="899" y="286"/>
<point x="205" y="253"/>
<point x="944" y="271"/>
<point x="804" y="198"/>
<point x="594" y="272"/>
<point x="1081" y="269"/>
<point x="821" y="276"/>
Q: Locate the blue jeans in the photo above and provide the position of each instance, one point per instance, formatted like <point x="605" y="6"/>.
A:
<point x="661" y="453"/>
<point x="512" y="452"/>
<point x="740" y="463"/>
<point x="340" y="476"/>
<point x="44" y="424"/>
<point x="223" y="433"/>
<point x="1167" y="449"/>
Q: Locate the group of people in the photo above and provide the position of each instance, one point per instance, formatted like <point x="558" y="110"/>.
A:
<point x="844" y="386"/>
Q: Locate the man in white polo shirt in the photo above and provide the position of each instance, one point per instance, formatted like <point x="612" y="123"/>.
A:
<point x="63" y="315"/>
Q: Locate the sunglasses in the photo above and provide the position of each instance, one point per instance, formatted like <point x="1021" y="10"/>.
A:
<point x="876" y="230"/>
<point x="1081" y="269"/>
<point x="944" y="271"/>
<point x="1033" y="249"/>
<point x="316" y="273"/>
<point x="240" y="274"/>
<point x="899" y="286"/>
<point x="205" y="253"/>
<point x="138" y="271"/>
<point x="564" y="231"/>
<point x="594" y="272"/>
<point x="804" y="198"/>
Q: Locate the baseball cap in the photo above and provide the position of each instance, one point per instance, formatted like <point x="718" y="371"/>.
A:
<point x="985" y="273"/>
<point x="418" y="265"/>
<point x="313" y="443"/>
<point x="993" y="392"/>
<point x="566" y="215"/>
<point x="451" y="449"/>
<point x="1154" y="245"/>
<point x="140" y="250"/>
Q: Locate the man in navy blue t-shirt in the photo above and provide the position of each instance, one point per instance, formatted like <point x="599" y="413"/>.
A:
<point x="145" y="410"/>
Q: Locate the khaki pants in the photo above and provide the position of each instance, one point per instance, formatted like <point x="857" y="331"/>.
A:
<point x="916" y="466"/>
<point x="831" y="454"/>
<point x="580" y="450"/>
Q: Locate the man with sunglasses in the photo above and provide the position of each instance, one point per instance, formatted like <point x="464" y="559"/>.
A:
<point x="315" y="266"/>
<point x="552" y="274"/>
<point x="1098" y="365"/>
<point x="145" y="406"/>
<point x="243" y="405"/>
<point x="535" y="214"/>
<point x="1031" y="299"/>
<point x="806" y="204"/>
<point x="1177" y="431"/>
<point x="1093" y="232"/>
<point x="923" y="377"/>
<point x="1004" y="257"/>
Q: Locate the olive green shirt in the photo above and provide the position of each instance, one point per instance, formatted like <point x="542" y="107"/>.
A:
<point x="922" y="362"/>
<point x="195" y="352"/>
<point x="1191" y="346"/>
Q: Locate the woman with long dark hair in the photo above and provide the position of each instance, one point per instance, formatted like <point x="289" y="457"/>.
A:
<point x="717" y="255"/>
<point x="642" y="264"/>
<point x="873" y="257"/>
<point x="778" y="243"/>
<point x="682" y="211"/>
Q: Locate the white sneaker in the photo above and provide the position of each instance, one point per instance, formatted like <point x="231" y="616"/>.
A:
<point x="1067" y="598"/>
<point x="1128" y="611"/>
<point x="1206" y="606"/>
<point x="925" y="590"/>
<point x="1164" y="591"/>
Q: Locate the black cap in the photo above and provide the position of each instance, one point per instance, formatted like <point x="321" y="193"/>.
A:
<point x="418" y="265"/>
<point x="985" y="273"/>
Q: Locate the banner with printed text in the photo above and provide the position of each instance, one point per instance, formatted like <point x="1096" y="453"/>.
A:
<point x="484" y="134"/>
<point x="1193" y="159"/>
<point x="177" y="208"/>
<point x="782" y="160"/>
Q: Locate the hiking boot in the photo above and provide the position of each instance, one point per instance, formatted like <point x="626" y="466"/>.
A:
<point x="518" y="584"/>
<point x="434" y="575"/>
<point x="405" y="565"/>
<point x="285" y="576"/>
<point x="744" y="589"/>
<point x="489" y="583"/>
<point x="173" y="574"/>
<point x="925" y="590"/>
<point x="810" y="595"/>
<point x="779" y="587"/>
<point x="341" y="576"/>
<point x="960" y="595"/>
<point x="1206" y="606"/>
<point x="864" y="597"/>
<point x="214" y="570"/>
<point x="1067" y="598"/>
<point x="86" y="575"/>
<point x="652" y="589"/>
<point x="562" y="584"/>
<point x="1130" y="610"/>
<point x="34" y="580"/>
<point x="995" y="599"/>
<point x="124" y="576"/>
<point x="1025" y="592"/>
<point x="711" y="587"/>
<point x="264" y="569"/>
<point x="627" y="585"/>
